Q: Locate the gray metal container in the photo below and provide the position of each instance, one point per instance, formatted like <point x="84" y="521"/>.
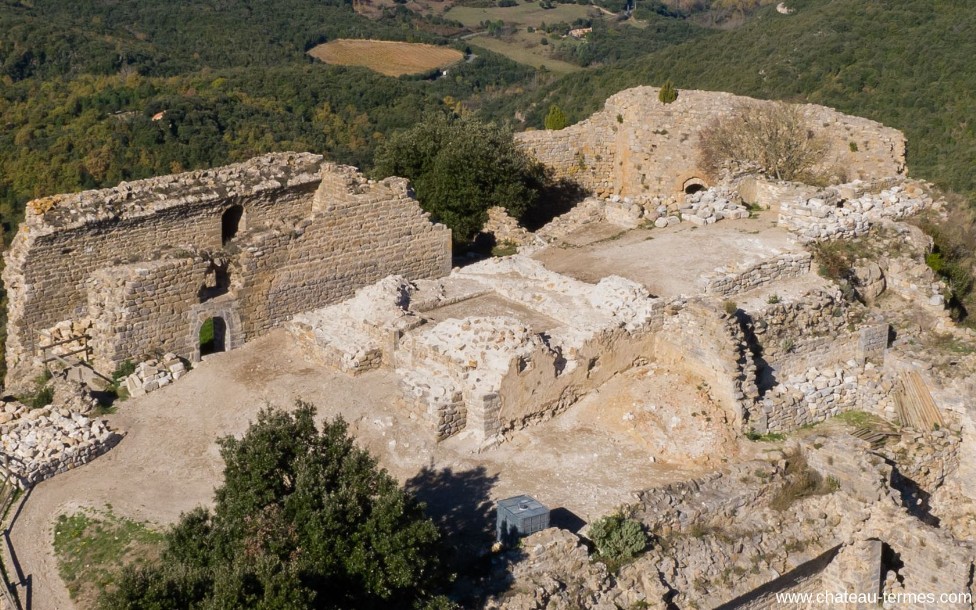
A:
<point x="520" y="516"/>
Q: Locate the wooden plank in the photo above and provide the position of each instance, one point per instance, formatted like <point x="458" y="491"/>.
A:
<point x="82" y="338"/>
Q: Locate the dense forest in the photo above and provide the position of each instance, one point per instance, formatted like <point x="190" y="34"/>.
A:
<point x="82" y="83"/>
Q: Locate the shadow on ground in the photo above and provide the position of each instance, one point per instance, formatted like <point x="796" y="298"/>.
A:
<point x="460" y="503"/>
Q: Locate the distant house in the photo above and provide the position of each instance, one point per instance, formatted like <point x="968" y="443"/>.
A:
<point x="580" y="32"/>
<point x="159" y="115"/>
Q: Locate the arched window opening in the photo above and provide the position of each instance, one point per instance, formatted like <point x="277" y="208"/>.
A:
<point x="230" y="223"/>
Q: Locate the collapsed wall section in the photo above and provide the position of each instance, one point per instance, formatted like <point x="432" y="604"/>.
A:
<point x="850" y="210"/>
<point x="638" y="146"/>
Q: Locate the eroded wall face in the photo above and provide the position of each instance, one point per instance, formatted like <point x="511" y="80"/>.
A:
<point x="349" y="241"/>
<point x="638" y="146"/>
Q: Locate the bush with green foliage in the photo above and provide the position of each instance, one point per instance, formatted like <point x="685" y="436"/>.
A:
<point x="668" y="94"/>
<point x="304" y="519"/>
<point x="618" y="538"/>
<point x="461" y="167"/>
<point x="556" y="119"/>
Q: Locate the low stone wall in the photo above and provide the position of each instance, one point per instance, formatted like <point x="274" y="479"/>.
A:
<point x="850" y="210"/>
<point x="818" y="394"/>
<point x="763" y="273"/>
<point x="40" y="443"/>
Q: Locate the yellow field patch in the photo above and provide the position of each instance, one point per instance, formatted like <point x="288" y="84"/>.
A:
<point x="386" y="57"/>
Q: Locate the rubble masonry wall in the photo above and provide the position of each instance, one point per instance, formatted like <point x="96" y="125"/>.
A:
<point x="638" y="146"/>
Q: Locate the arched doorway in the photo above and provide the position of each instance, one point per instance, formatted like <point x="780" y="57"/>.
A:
<point x="230" y="223"/>
<point x="694" y="185"/>
<point x="213" y="336"/>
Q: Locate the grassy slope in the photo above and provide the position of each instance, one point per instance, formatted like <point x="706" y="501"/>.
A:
<point x="902" y="62"/>
<point x="517" y="49"/>
<point x="522" y="14"/>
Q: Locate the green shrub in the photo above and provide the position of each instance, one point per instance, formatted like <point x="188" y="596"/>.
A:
<point x="668" y="94"/>
<point x="852" y="145"/>
<point x="556" y="119"/>
<point x="460" y="168"/>
<point x="730" y="307"/>
<point x="618" y="538"/>
<point x="124" y="369"/>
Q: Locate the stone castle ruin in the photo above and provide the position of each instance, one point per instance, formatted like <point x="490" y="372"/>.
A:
<point x="137" y="269"/>
<point x="691" y="318"/>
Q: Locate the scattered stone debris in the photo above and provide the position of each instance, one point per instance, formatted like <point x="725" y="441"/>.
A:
<point x="154" y="374"/>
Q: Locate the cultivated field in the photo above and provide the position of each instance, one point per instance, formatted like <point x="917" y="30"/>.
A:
<point x="523" y="14"/>
<point x="386" y="57"/>
<point x="525" y="49"/>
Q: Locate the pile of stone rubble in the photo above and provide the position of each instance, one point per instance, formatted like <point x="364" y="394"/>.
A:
<point x="154" y="374"/>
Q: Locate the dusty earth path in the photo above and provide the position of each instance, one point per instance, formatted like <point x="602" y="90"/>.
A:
<point x="586" y="461"/>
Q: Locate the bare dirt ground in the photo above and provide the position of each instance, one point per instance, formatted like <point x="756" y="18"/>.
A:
<point x="586" y="461"/>
<point x="667" y="261"/>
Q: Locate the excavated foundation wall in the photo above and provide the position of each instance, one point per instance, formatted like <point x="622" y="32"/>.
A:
<point x="538" y="393"/>
<point x="710" y="343"/>
<point x="816" y="359"/>
<point x="638" y="146"/>
<point x="133" y="260"/>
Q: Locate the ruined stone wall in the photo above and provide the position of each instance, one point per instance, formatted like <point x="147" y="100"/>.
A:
<point x="818" y="394"/>
<point x="850" y="210"/>
<point x="65" y="238"/>
<point x="813" y="356"/>
<point x="735" y="281"/>
<point x="637" y="146"/>
<point x="358" y="232"/>
<point x="138" y="309"/>
<point x="309" y="235"/>
<point x="810" y="331"/>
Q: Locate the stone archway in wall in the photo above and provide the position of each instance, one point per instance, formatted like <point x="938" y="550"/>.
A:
<point x="693" y="185"/>
<point x="214" y="328"/>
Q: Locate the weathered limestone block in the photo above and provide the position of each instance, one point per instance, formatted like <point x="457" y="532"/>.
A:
<point x="154" y="374"/>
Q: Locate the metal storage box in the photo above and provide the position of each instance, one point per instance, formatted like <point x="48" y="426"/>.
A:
<point x="520" y="516"/>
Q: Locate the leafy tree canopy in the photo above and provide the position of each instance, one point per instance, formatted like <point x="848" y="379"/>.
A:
<point x="461" y="167"/>
<point x="304" y="519"/>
